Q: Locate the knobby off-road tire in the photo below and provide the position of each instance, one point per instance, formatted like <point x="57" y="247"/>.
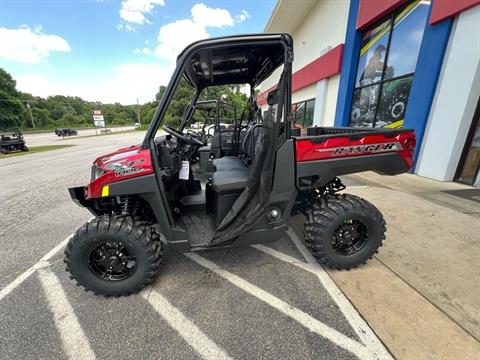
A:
<point x="137" y="238"/>
<point x="327" y="222"/>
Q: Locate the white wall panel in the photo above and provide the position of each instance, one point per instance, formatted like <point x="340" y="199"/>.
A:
<point x="455" y="100"/>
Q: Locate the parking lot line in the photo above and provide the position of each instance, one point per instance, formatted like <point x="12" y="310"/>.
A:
<point x="294" y="313"/>
<point x="73" y="338"/>
<point x="362" y="329"/>
<point x="38" y="265"/>
<point x="200" y="342"/>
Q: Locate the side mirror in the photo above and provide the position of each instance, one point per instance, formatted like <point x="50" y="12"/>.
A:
<point x="272" y="98"/>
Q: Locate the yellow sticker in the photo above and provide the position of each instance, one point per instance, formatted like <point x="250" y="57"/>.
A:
<point x="395" y="125"/>
<point x="105" y="190"/>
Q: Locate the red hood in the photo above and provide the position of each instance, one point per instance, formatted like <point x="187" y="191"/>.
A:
<point x="117" y="155"/>
<point x="119" y="165"/>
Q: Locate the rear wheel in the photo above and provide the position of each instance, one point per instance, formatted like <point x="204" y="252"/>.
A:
<point x="344" y="231"/>
<point x="114" y="255"/>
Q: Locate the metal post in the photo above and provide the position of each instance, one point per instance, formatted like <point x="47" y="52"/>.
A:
<point x="138" y="113"/>
<point x="31" y="116"/>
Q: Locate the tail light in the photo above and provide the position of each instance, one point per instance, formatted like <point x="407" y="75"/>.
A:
<point x="410" y="145"/>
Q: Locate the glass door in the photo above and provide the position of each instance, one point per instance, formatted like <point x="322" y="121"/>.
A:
<point x="468" y="171"/>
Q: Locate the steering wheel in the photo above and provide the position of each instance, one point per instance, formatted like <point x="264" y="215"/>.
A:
<point x="184" y="137"/>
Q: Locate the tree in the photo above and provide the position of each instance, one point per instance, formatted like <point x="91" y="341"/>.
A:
<point x="7" y="84"/>
<point x="59" y="110"/>
<point x="42" y="118"/>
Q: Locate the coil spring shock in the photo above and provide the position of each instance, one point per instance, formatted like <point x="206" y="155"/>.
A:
<point x="129" y="206"/>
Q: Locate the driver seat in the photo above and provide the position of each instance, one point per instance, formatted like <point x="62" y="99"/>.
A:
<point x="232" y="172"/>
<point x="247" y="151"/>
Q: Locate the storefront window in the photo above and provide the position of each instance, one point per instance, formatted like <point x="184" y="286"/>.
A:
<point x="392" y="103"/>
<point x="386" y="67"/>
<point x="303" y="113"/>
<point x="372" y="55"/>
<point x="309" y="110"/>
<point x="406" y="40"/>
<point x="364" y="104"/>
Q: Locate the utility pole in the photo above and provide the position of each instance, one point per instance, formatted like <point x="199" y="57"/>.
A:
<point x="138" y="112"/>
<point x="31" y="116"/>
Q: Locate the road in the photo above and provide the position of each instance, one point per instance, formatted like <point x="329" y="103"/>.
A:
<point x="250" y="303"/>
<point x="51" y="139"/>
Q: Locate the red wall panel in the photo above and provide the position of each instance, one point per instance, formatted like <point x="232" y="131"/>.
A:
<point x="442" y="9"/>
<point x="325" y="66"/>
<point x="370" y="11"/>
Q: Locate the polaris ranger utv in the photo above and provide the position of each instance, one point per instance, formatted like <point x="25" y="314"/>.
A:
<point x="145" y="199"/>
<point x="12" y="142"/>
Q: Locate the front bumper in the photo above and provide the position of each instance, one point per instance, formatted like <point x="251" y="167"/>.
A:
<point x="78" y="196"/>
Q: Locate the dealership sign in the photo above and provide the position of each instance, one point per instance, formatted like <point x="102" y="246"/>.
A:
<point x="98" y="118"/>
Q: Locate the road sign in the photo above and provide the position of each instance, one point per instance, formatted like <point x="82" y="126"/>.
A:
<point x="98" y="118"/>
<point x="99" y="123"/>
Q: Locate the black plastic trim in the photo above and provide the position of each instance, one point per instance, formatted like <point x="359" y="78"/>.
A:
<point x="353" y="133"/>
<point x="326" y="170"/>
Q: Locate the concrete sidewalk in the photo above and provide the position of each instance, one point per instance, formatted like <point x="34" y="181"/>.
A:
<point x="423" y="289"/>
<point x="421" y="292"/>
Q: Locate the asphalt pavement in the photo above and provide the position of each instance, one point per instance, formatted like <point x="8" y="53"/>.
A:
<point x="48" y="138"/>
<point x="266" y="302"/>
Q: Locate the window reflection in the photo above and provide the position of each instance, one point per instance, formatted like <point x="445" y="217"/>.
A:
<point x="393" y="101"/>
<point x="303" y="113"/>
<point x="364" y="105"/>
<point x="406" y="40"/>
<point x="372" y="54"/>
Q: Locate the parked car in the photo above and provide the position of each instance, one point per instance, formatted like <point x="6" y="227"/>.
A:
<point x="65" y="132"/>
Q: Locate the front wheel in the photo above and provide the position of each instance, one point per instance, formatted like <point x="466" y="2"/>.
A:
<point x="114" y="255"/>
<point x="344" y="231"/>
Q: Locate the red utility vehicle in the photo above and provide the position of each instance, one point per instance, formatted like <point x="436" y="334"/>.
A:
<point x="146" y="199"/>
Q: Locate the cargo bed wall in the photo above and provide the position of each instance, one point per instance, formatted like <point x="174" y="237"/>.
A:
<point x="340" y="151"/>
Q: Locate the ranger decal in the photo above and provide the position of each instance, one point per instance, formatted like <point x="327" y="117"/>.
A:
<point x="363" y="149"/>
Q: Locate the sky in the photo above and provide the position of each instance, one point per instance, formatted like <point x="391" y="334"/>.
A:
<point x="112" y="50"/>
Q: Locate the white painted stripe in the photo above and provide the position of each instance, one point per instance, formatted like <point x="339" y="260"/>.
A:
<point x="73" y="338"/>
<point x="200" y="342"/>
<point x="356" y="186"/>
<point x="38" y="265"/>
<point x="294" y="313"/>
<point x="363" y="330"/>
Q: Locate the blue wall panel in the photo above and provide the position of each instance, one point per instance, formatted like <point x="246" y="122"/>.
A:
<point x="349" y="67"/>
<point x="427" y="71"/>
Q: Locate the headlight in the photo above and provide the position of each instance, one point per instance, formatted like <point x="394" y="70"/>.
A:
<point x="96" y="172"/>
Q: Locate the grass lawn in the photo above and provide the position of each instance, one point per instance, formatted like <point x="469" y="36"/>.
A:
<point x="35" y="149"/>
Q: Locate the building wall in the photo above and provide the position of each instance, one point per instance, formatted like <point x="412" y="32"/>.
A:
<point x="455" y="101"/>
<point x="331" y="100"/>
<point x="323" y="29"/>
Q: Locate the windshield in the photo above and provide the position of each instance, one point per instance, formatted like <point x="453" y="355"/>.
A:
<point x="182" y="97"/>
<point x="214" y="102"/>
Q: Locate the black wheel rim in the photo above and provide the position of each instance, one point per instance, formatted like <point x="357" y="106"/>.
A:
<point x="112" y="261"/>
<point x="350" y="237"/>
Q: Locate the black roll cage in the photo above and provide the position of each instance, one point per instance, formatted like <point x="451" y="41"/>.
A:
<point x="205" y="106"/>
<point x="284" y="40"/>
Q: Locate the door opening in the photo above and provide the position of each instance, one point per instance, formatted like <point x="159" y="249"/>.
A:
<point x="469" y="165"/>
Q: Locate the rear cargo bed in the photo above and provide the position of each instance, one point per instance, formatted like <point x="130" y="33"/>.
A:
<point x="328" y="152"/>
